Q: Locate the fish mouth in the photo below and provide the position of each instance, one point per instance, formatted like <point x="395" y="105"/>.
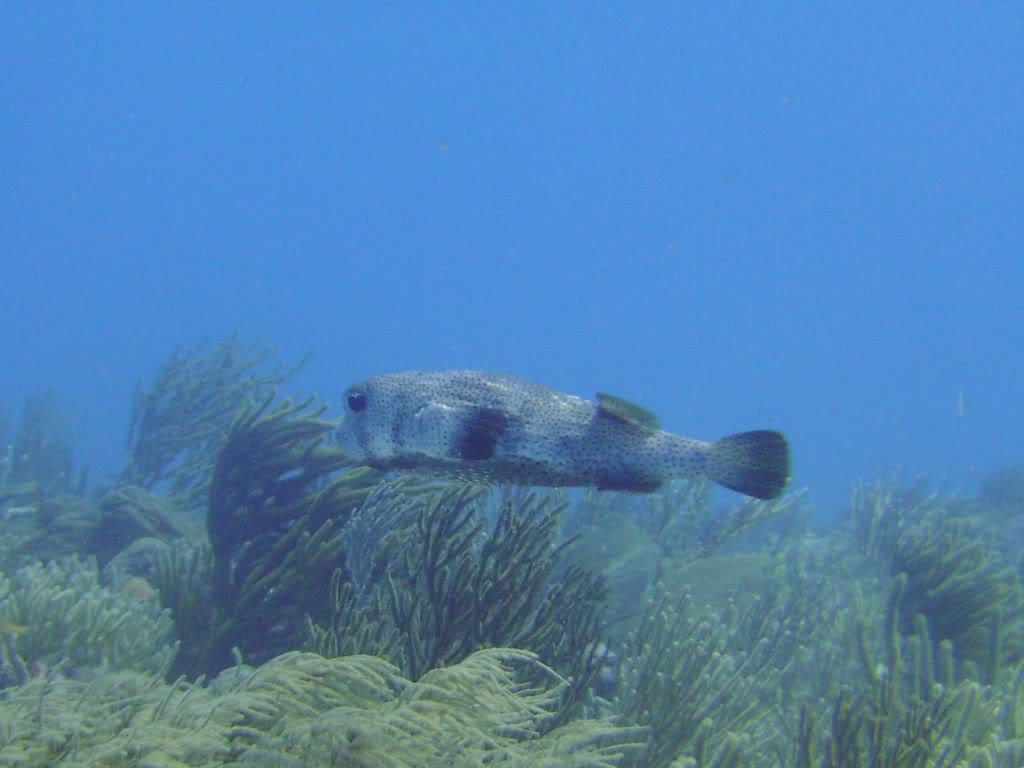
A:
<point x="349" y="446"/>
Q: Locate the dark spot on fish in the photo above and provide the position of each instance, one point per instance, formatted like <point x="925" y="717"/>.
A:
<point x="626" y="481"/>
<point x="479" y="436"/>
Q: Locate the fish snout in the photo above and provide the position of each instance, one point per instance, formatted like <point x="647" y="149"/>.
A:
<point x="348" y="441"/>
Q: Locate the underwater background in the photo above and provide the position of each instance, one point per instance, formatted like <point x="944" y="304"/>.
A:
<point x="804" y="217"/>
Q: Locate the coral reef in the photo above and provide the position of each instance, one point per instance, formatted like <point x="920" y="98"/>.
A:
<point x="1004" y="489"/>
<point x="681" y="520"/>
<point x="66" y="620"/>
<point x="710" y="682"/>
<point x="66" y="524"/>
<point x="611" y="540"/>
<point x="289" y="547"/>
<point x="301" y="709"/>
<point x="179" y="422"/>
<point x="273" y="524"/>
<point x="42" y="454"/>
<point x="138" y="561"/>
<point x="36" y="468"/>
<point x="130" y="513"/>
<point x="440" y="586"/>
<point x="956" y="577"/>
<point x="461" y="625"/>
<point x="182" y="579"/>
<point x="639" y="540"/>
<point x="5" y="446"/>
<point x="1001" y="502"/>
<point x="915" y="711"/>
<point x="57" y="526"/>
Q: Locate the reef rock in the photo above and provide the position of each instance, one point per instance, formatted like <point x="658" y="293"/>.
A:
<point x="130" y="513"/>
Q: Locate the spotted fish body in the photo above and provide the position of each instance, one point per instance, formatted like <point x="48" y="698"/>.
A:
<point x="492" y="427"/>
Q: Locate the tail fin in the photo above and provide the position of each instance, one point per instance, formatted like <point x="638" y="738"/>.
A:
<point x="755" y="463"/>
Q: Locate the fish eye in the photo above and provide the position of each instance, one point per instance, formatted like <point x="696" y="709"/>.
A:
<point x="356" y="401"/>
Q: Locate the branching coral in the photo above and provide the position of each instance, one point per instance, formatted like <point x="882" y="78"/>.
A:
<point x="129" y="513"/>
<point x="488" y="709"/>
<point x="956" y="576"/>
<point x="181" y="576"/>
<point x="273" y="524"/>
<point x="301" y="710"/>
<point x="677" y="674"/>
<point x="915" y="710"/>
<point x="68" y="524"/>
<point x="55" y="527"/>
<point x="441" y="587"/>
<point x="179" y="423"/>
<point x="636" y="541"/>
<point x="70" y="621"/>
<point x="675" y="516"/>
<point x="39" y="462"/>
<point x="680" y="519"/>
<point x="710" y="683"/>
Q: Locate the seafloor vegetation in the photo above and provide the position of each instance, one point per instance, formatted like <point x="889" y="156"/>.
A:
<point x="236" y="596"/>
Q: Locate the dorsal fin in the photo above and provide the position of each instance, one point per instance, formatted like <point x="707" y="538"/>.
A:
<point x="629" y="413"/>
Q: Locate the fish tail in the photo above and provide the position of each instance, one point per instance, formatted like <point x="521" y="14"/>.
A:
<point x="754" y="463"/>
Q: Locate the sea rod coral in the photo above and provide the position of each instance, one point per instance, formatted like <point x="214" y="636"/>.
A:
<point x="301" y="709"/>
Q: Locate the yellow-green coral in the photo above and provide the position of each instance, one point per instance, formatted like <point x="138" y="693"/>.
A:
<point x="956" y="576"/>
<point x="178" y="423"/>
<point x="304" y="710"/>
<point x="71" y="621"/>
<point x="273" y="524"/>
<point x="443" y="583"/>
<point x="915" y="712"/>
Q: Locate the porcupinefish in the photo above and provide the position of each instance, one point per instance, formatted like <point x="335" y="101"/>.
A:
<point x="490" y="427"/>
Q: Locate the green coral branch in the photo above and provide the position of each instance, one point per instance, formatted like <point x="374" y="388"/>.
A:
<point x="178" y="424"/>
<point x="275" y="527"/>
<point x="439" y="585"/>
<point x="301" y="709"/>
<point x="955" y="574"/>
<point x="70" y="621"/>
<point x="915" y="710"/>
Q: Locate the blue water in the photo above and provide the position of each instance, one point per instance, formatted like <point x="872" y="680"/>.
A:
<point x="801" y="216"/>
